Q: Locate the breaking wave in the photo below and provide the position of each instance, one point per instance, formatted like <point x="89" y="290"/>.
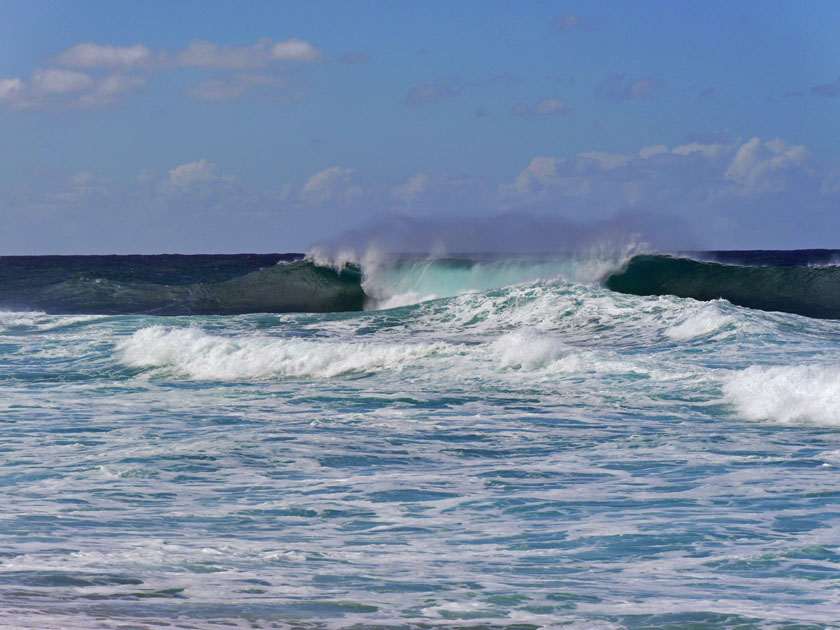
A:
<point x="813" y="291"/>
<point x="805" y="283"/>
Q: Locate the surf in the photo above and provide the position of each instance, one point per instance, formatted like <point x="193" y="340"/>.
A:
<point x="802" y="282"/>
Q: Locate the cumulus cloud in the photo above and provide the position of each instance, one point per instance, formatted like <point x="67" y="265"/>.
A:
<point x="439" y="90"/>
<point x="658" y="176"/>
<point x="108" y="90"/>
<point x="760" y="167"/>
<point x="96" y="75"/>
<point x="197" y="173"/>
<point x="617" y="87"/>
<point x="333" y="184"/>
<point x="11" y="90"/>
<point x="202" y="54"/>
<point x="89" y="55"/>
<point x="55" y="81"/>
<point x="52" y="86"/>
<point x="198" y="54"/>
<point x="546" y="107"/>
<point x="827" y="89"/>
<point x="737" y="193"/>
<point x="411" y="189"/>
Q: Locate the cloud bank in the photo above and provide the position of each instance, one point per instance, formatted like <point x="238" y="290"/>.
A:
<point x="721" y="193"/>
<point x="97" y="75"/>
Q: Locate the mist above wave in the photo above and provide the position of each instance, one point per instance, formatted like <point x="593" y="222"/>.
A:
<point x="506" y="235"/>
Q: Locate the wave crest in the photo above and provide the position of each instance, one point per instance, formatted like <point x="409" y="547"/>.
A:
<point x="193" y="353"/>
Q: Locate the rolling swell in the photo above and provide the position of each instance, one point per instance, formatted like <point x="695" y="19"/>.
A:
<point x="185" y="285"/>
<point x="804" y="290"/>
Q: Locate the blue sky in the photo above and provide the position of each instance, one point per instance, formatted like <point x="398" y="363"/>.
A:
<point x="268" y="126"/>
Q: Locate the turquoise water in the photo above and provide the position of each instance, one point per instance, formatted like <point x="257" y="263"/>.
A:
<point x="547" y="454"/>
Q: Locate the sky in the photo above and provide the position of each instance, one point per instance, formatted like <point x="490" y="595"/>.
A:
<point x="215" y="127"/>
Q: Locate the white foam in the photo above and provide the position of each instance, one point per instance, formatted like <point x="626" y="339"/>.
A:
<point x="700" y="322"/>
<point x="527" y="350"/>
<point x="787" y="394"/>
<point x="390" y="283"/>
<point x="193" y="353"/>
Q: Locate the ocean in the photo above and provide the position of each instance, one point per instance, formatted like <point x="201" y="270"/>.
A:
<point x="265" y="441"/>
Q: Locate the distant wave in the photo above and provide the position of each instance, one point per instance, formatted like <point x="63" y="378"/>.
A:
<point x="147" y="285"/>
<point x="791" y="284"/>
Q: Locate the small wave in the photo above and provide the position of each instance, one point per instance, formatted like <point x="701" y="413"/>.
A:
<point x="701" y="322"/>
<point x="528" y="350"/>
<point x="196" y="354"/>
<point x="798" y="394"/>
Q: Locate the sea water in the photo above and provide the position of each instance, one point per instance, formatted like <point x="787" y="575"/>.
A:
<point x="532" y="452"/>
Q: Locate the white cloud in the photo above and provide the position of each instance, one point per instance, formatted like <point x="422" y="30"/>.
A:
<point x="89" y="55"/>
<point x="202" y="54"/>
<point x="198" y="54"/>
<point x="603" y="161"/>
<point x="295" y="50"/>
<point x="709" y="151"/>
<point x="831" y="183"/>
<point x="540" y="172"/>
<point x="650" y="151"/>
<point x="193" y="173"/>
<point x="657" y="175"/>
<point x="55" y="81"/>
<point x="767" y="167"/>
<point x="55" y="86"/>
<point x="11" y="90"/>
<point x="742" y="193"/>
<point x="108" y="91"/>
<point x="253" y="70"/>
<point x="333" y="184"/>
<point x="411" y="189"/>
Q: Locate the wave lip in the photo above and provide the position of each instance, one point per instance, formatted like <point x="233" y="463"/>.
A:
<point x="803" y="290"/>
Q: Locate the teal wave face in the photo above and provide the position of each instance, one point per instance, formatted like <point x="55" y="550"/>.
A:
<point x="186" y="285"/>
<point x="803" y="290"/>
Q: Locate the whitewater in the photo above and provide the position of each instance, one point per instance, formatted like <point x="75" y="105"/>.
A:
<point x="488" y="444"/>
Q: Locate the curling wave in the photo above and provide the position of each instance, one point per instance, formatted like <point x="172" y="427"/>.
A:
<point x="790" y="285"/>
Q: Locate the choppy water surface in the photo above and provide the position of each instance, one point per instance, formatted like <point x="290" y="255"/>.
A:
<point x="542" y="455"/>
